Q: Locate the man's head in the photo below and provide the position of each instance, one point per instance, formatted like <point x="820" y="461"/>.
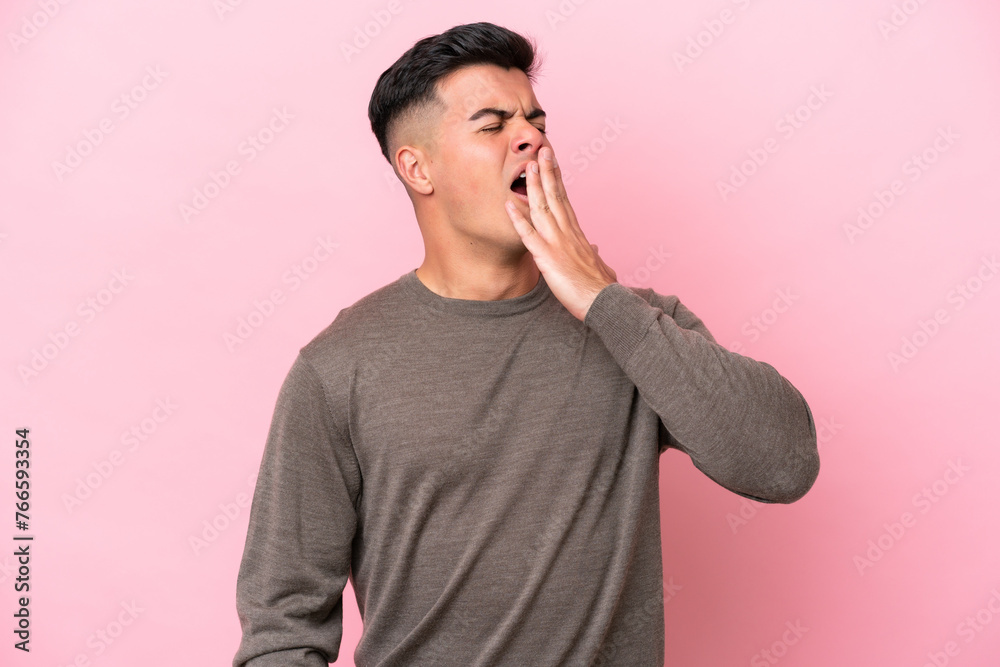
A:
<point x="405" y="99"/>
<point x="456" y="160"/>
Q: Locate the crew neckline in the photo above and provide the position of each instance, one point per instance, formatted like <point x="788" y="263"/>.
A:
<point x="518" y="304"/>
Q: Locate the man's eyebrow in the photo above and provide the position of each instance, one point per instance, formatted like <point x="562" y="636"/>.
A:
<point x="503" y="114"/>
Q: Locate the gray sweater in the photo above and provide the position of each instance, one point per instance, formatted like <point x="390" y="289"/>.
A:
<point x="486" y="473"/>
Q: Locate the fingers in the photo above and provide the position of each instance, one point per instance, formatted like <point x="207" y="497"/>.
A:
<point x="550" y="164"/>
<point x="555" y="191"/>
<point x="549" y="210"/>
<point x="524" y="228"/>
<point x="538" y="204"/>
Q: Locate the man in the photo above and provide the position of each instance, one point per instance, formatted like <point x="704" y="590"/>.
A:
<point x="476" y="444"/>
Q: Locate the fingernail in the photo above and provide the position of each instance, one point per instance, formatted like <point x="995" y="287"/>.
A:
<point x="534" y="167"/>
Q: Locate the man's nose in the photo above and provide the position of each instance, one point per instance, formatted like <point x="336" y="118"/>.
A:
<point x="527" y="137"/>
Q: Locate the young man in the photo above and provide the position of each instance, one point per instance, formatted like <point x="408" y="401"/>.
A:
<point x="476" y="444"/>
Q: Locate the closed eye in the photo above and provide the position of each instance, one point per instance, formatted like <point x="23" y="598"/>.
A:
<point x="497" y="128"/>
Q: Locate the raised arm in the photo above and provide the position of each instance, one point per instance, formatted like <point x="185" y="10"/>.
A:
<point x="742" y="423"/>
<point x="302" y="522"/>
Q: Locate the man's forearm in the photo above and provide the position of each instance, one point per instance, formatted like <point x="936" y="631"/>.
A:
<point x="740" y="421"/>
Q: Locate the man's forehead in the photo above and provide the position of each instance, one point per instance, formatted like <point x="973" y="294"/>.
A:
<point x="477" y="87"/>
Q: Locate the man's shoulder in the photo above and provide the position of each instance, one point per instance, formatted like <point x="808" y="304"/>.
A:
<point x="361" y="322"/>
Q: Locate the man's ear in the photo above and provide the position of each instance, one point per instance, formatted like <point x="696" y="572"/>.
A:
<point x="411" y="167"/>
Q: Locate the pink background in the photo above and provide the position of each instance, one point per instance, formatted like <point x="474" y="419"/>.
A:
<point x="645" y="140"/>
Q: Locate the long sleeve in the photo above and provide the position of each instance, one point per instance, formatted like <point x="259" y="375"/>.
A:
<point x="297" y="557"/>
<point x="743" y="424"/>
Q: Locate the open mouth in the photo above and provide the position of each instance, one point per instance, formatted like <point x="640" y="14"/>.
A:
<point x="520" y="185"/>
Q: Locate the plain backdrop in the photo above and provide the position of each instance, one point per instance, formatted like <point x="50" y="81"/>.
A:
<point x="190" y="191"/>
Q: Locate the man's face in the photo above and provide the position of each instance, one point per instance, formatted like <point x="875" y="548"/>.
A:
<point x="477" y="153"/>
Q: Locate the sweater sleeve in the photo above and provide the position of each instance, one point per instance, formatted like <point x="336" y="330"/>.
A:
<point x="297" y="555"/>
<point x="743" y="424"/>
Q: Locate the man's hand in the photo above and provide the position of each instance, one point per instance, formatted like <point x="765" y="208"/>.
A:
<point x="571" y="266"/>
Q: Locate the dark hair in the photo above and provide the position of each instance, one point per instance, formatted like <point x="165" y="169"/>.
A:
<point x="411" y="81"/>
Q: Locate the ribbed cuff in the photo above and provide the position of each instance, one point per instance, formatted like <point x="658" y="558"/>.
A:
<point x="621" y="318"/>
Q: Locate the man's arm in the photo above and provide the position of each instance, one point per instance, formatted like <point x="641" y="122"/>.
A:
<point x="302" y="522"/>
<point x="740" y="421"/>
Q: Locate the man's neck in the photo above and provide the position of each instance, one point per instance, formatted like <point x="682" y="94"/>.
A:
<point x="481" y="282"/>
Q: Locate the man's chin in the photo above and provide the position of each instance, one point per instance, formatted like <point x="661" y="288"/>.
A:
<point x="510" y="243"/>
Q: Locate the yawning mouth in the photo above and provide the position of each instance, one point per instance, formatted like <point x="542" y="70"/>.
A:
<point x="520" y="185"/>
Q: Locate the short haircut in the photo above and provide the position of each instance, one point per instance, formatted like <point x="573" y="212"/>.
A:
<point x="408" y="87"/>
